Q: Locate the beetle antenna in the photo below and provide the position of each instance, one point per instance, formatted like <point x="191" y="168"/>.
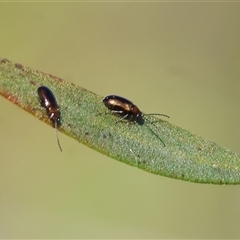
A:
<point x="58" y="142"/>
<point x="159" y="114"/>
<point x="153" y="131"/>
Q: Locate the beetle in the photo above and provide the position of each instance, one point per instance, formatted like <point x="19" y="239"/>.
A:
<point x="48" y="101"/>
<point x="126" y="109"/>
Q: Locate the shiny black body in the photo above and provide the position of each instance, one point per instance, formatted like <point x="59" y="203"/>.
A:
<point x="48" y="101"/>
<point x="126" y="109"/>
<point x="123" y="107"/>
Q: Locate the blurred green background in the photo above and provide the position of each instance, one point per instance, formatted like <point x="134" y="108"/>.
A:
<point x="181" y="59"/>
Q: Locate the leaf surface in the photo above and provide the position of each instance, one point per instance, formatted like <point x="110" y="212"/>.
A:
<point x="156" y="146"/>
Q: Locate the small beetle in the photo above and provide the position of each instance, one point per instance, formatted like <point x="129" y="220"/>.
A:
<point x="126" y="109"/>
<point x="48" y="101"/>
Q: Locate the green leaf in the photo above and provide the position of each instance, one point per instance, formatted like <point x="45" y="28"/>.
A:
<point x="156" y="146"/>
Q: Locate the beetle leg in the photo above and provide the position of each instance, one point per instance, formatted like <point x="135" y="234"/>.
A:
<point x="120" y="119"/>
